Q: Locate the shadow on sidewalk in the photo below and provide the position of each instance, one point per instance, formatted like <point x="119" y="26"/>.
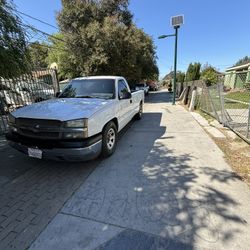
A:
<point x="184" y="209"/>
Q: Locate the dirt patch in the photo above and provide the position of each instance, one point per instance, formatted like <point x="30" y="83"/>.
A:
<point x="236" y="150"/>
<point x="237" y="154"/>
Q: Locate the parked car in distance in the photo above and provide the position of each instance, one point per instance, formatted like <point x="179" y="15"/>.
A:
<point x="10" y="99"/>
<point x="80" y="124"/>
<point x="142" y="86"/>
<point x="63" y="83"/>
<point x="25" y="93"/>
<point x="153" y="86"/>
<point x="35" y="91"/>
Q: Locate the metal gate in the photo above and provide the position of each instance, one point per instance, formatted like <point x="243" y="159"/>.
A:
<point x="232" y="109"/>
<point x="17" y="92"/>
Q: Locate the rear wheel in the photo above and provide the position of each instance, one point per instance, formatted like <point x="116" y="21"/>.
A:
<point x="109" y="139"/>
<point x="138" y="116"/>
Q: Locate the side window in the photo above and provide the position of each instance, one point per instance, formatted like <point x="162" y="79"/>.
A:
<point x="122" y="89"/>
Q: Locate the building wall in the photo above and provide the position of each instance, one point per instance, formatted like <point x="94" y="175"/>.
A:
<point x="237" y="79"/>
<point x="248" y="74"/>
<point x="230" y="78"/>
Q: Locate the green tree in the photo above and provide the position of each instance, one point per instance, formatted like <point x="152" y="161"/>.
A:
<point x="193" y="72"/>
<point x="209" y="74"/>
<point x="38" y="53"/>
<point x="102" y="39"/>
<point x="13" y="50"/>
<point x="117" y="8"/>
<point x="180" y="76"/>
<point x="243" y="60"/>
<point x="59" y="53"/>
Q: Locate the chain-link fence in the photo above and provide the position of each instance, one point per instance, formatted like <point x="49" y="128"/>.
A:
<point x="24" y="90"/>
<point x="231" y="108"/>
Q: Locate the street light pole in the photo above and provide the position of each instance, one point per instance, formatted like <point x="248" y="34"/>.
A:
<point x="175" y="62"/>
<point x="176" y="21"/>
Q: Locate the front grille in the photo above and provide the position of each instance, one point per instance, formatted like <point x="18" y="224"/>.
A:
<point x="40" y="122"/>
<point x="39" y="134"/>
<point x="39" y="128"/>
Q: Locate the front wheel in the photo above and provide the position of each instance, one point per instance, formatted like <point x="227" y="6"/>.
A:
<point x="109" y="139"/>
<point x="138" y="116"/>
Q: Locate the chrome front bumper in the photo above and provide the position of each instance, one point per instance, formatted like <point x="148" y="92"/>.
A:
<point x="65" y="154"/>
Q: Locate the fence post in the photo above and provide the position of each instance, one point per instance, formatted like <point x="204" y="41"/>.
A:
<point x="55" y="80"/>
<point x="222" y="104"/>
<point x="248" y="122"/>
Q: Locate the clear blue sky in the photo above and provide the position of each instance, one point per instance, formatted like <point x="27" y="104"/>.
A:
<point x="216" y="32"/>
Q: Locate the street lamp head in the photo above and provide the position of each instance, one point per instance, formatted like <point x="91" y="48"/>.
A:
<point x="165" y="36"/>
<point x="162" y="37"/>
<point x="177" y="21"/>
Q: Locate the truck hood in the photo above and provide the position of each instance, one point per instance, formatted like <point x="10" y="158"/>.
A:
<point x="62" y="109"/>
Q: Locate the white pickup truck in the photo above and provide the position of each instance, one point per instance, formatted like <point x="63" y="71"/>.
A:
<point x="80" y="124"/>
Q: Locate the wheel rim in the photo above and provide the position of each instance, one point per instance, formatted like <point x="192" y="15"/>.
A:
<point x="111" y="138"/>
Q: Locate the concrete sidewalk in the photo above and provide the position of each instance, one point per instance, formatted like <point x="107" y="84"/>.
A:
<point x="166" y="187"/>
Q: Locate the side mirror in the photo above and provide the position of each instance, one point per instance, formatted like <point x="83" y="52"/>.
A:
<point x="57" y="93"/>
<point x="126" y="95"/>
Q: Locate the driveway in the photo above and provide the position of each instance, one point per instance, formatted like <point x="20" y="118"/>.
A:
<point x="166" y="187"/>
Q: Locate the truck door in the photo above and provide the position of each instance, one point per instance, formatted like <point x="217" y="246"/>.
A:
<point x="125" y="105"/>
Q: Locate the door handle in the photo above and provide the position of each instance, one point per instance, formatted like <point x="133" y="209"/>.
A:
<point x="131" y="101"/>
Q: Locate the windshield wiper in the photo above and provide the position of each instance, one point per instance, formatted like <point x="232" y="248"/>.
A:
<point x="84" y="96"/>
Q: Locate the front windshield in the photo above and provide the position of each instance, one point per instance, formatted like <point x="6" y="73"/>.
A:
<point x="89" y="88"/>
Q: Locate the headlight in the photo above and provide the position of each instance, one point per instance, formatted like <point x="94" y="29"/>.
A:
<point x="80" y="123"/>
<point x="11" y="120"/>
<point x="75" y="129"/>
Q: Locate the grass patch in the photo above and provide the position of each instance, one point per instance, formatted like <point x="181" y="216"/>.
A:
<point x="235" y="105"/>
<point x="239" y="96"/>
<point x="233" y="100"/>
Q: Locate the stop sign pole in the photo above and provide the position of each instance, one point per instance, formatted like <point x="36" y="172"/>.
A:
<point x="176" y="22"/>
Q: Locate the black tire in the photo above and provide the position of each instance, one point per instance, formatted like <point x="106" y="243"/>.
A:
<point x="109" y="144"/>
<point x="138" y="116"/>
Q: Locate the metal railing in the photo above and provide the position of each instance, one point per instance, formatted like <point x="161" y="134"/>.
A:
<point x="17" y="92"/>
<point x="231" y="108"/>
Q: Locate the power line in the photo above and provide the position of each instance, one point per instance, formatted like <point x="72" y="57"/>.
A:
<point x="34" y="18"/>
<point x="42" y="32"/>
<point x="27" y="25"/>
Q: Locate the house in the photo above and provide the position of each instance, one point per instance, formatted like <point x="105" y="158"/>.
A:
<point x="237" y="77"/>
